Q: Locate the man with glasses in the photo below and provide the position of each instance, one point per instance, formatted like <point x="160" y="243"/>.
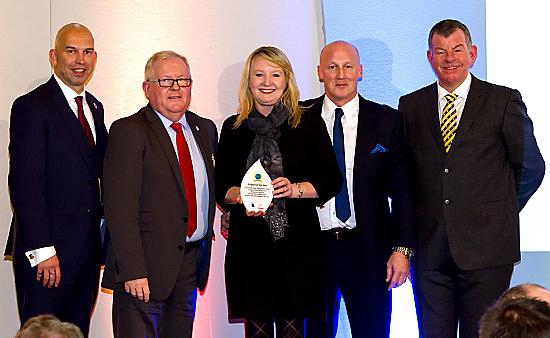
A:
<point x="57" y="142"/>
<point x="159" y="206"/>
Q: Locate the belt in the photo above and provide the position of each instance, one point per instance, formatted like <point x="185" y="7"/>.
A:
<point x="338" y="233"/>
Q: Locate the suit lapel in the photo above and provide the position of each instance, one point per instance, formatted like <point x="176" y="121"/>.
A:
<point x="202" y="141"/>
<point x="71" y="122"/>
<point x="366" y="134"/>
<point x="162" y="135"/>
<point x="98" y="121"/>
<point x="431" y="110"/>
<point x="474" y="100"/>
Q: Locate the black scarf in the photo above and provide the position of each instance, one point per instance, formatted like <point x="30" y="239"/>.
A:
<point x="265" y="147"/>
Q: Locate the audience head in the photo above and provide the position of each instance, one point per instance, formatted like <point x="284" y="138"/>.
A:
<point x="73" y="57"/>
<point x="48" y="326"/>
<point x="451" y="53"/>
<point x="339" y="69"/>
<point x="168" y="84"/>
<point x="267" y="79"/>
<point x="526" y="290"/>
<point x="516" y="318"/>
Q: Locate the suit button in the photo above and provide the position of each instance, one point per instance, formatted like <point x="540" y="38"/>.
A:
<point x="446" y="171"/>
<point x="180" y="247"/>
<point x="447" y="202"/>
<point x="184" y="219"/>
<point x="87" y="211"/>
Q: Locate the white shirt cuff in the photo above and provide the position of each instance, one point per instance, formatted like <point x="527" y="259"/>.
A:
<point x="39" y="255"/>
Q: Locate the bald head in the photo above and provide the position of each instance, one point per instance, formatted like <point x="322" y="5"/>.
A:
<point x="339" y="69"/>
<point x="339" y="45"/>
<point x="73" y="57"/>
<point x="66" y="31"/>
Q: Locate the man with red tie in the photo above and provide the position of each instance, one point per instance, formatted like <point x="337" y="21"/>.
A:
<point x="159" y="206"/>
<point x="57" y="142"/>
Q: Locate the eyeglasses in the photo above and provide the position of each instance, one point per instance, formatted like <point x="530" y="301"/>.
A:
<point x="170" y="82"/>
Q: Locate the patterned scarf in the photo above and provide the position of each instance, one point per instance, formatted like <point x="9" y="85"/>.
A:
<point x="265" y="147"/>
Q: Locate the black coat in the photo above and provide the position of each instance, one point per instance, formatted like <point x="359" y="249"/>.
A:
<point x="471" y="196"/>
<point x="283" y="278"/>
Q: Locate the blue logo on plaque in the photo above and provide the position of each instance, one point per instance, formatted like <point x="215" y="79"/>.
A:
<point x="258" y="176"/>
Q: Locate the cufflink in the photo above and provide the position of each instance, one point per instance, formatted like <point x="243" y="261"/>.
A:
<point x="31" y="256"/>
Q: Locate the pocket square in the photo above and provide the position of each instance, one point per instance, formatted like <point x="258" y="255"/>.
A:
<point x="378" y="149"/>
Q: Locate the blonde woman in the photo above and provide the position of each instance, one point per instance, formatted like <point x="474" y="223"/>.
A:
<point x="273" y="258"/>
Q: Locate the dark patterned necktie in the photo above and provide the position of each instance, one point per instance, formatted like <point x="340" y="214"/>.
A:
<point x="449" y="121"/>
<point x="83" y="121"/>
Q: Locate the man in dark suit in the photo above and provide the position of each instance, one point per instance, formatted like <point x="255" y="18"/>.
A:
<point x="476" y="163"/>
<point x="159" y="206"/>
<point x="57" y="142"/>
<point x="367" y="245"/>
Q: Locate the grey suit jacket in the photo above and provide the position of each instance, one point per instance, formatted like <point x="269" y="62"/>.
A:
<point x="145" y="205"/>
<point x="471" y="196"/>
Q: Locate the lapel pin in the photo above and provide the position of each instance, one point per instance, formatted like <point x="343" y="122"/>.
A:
<point x="197" y="127"/>
<point x="95" y="105"/>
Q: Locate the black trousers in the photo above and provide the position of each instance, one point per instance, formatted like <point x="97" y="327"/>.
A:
<point x="449" y="297"/>
<point x="72" y="301"/>
<point x="169" y="318"/>
<point x="365" y="293"/>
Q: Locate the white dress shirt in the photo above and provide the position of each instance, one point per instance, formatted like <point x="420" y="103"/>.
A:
<point x="327" y="213"/>
<point x="39" y="255"/>
<point x="199" y="171"/>
<point x="461" y="92"/>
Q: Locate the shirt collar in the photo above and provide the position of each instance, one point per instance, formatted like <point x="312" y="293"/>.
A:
<point x="68" y="92"/>
<point x="461" y="91"/>
<point x="168" y="123"/>
<point x="350" y="109"/>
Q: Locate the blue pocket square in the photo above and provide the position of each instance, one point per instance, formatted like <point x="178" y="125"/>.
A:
<point x="378" y="149"/>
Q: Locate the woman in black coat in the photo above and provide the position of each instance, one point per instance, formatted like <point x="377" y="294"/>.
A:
<point x="273" y="268"/>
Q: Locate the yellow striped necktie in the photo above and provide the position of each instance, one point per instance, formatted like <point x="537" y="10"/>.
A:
<point x="448" y="121"/>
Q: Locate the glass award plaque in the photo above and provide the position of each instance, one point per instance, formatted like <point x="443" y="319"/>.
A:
<point x="256" y="188"/>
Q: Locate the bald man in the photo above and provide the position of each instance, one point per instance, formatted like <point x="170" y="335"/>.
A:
<point x="57" y="142"/>
<point x="367" y="245"/>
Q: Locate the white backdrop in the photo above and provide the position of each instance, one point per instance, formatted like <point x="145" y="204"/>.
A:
<point x="517" y="57"/>
<point x="216" y="36"/>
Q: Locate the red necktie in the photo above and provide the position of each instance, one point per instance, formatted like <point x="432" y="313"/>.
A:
<point x="83" y="121"/>
<point x="186" y="168"/>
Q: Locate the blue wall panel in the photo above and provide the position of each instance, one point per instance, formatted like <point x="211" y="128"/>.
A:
<point x="391" y="36"/>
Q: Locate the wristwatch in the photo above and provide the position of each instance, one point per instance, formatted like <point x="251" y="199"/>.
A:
<point x="407" y="252"/>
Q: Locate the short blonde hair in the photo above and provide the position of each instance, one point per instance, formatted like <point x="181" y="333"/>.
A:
<point x="290" y="95"/>
<point x="165" y="54"/>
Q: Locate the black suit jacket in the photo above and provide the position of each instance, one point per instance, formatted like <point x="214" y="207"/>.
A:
<point x="472" y="195"/>
<point x="54" y="176"/>
<point x="377" y="176"/>
<point x="145" y="205"/>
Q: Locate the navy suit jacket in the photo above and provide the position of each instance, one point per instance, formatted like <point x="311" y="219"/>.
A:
<point x="54" y="176"/>
<point x="378" y="175"/>
<point x="470" y="198"/>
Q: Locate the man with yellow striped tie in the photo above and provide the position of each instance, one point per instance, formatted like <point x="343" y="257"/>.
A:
<point x="476" y="163"/>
